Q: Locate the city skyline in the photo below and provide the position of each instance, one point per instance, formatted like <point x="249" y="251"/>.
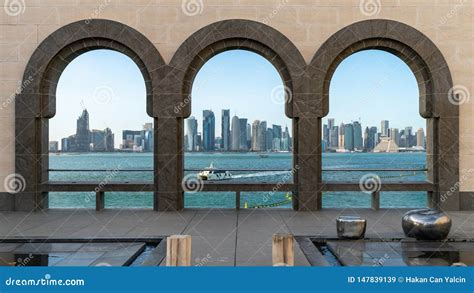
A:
<point x="115" y="97"/>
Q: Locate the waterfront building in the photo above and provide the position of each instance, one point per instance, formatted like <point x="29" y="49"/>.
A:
<point x="235" y="134"/>
<point x="225" y="130"/>
<point x="384" y="128"/>
<point x="325" y="135"/>
<point x="395" y="135"/>
<point x="358" y="141"/>
<point x="262" y="136"/>
<point x="97" y="140"/>
<point x="386" y="145"/>
<point x="249" y="136"/>
<point x="191" y="134"/>
<point x="269" y="139"/>
<point x="83" y="137"/>
<point x="349" y="137"/>
<point x="420" y="138"/>
<point x="208" y="130"/>
<point x="243" y="134"/>
<point x="341" y="136"/>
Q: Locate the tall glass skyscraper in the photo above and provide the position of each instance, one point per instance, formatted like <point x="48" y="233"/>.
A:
<point x="191" y="134"/>
<point x="208" y="130"/>
<point x="358" y="142"/>
<point x="225" y="130"/>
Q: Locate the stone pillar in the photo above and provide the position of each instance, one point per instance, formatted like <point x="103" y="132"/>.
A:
<point x="168" y="160"/>
<point x="308" y="159"/>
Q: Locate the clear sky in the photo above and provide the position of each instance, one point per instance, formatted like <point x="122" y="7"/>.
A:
<point x="370" y="86"/>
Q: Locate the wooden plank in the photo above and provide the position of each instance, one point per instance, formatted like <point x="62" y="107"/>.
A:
<point x="178" y="251"/>
<point x="99" y="200"/>
<point x="375" y="200"/>
<point x="64" y="186"/>
<point x="283" y="250"/>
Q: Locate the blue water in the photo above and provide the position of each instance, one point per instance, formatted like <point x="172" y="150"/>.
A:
<point x="281" y="161"/>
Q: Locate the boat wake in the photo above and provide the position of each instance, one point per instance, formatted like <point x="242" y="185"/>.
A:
<point x="260" y="174"/>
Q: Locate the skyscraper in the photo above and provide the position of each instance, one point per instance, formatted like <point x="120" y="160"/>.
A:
<point x="334" y="137"/>
<point x="349" y="137"/>
<point x="235" y="134"/>
<point x="255" y="126"/>
<point x="208" y="130"/>
<point x="225" y="130"/>
<point x="243" y="134"/>
<point x="341" y="136"/>
<point x="395" y="135"/>
<point x="262" y="136"/>
<point x="83" y="136"/>
<point x="325" y="135"/>
<point x="269" y="139"/>
<point x="191" y="134"/>
<point x="384" y="128"/>
<point x="358" y="142"/>
<point x="420" y="138"/>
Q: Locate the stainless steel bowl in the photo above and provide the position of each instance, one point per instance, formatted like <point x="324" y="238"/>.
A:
<point x="351" y="227"/>
<point x="426" y="224"/>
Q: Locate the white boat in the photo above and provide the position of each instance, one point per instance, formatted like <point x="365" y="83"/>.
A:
<point x="211" y="173"/>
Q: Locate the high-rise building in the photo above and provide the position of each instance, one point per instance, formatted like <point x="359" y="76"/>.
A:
<point x="132" y="140"/>
<point x="395" y="135"/>
<point x="262" y="136"/>
<point x="249" y="136"/>
<point x="97" y="140"/>
<point x="243" y="134"/>
<point x="325" y="135"/>
<point x="235" y="134"/>
<point x="420" y="138"/>
<point x="341" y="136"/>
<point x="331" y="123"/>
<point x="384" y="128"/>
<point x="349" y="137"/>
<point x="83" y="137"/>
<point x="255" y="126"/>
<point x="286" y="143"/>
<point x="358" y="142"/>
<point x="333" y="137"/>
<point x="208" y="130"/>
<point x="269" y="139"/>
<point x="191" y="134"/>
<point x="110" y="141"/>
<point x="370" y="138"/>
<point x="225" y="130"/>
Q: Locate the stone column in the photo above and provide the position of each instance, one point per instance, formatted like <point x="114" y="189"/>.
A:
<point x="168" y="161"/>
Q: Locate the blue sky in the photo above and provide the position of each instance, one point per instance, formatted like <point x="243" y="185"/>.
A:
<point x="370" y="86"/>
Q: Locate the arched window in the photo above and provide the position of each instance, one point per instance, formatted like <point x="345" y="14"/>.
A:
<point x="101" y="128"/>
<point x="238" y="130"/>
<point x="374" y="132"/>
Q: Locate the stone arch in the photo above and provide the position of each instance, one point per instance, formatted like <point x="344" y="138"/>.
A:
<point x="434" y="82"/>
<point x="175" y="88"/>
<point x="36" y="103"/>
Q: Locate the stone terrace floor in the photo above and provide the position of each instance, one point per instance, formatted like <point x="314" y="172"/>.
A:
<point x="220" y="237"/>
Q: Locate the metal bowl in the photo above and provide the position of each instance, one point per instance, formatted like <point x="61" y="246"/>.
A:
<point x="426" y="224"/>
<point x="351" y="227"/>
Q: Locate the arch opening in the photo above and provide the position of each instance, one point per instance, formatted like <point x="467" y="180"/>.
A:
<point x="381" y="138"/>
<point x="238" y="124"/>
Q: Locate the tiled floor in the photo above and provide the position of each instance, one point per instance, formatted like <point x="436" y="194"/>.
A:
<point x="220" y="237"/>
